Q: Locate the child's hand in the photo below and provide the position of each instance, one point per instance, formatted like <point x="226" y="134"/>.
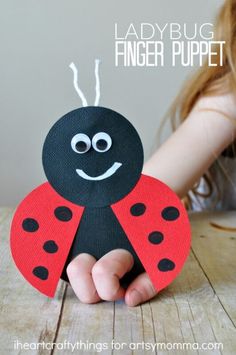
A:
<point x="94" y="281"/>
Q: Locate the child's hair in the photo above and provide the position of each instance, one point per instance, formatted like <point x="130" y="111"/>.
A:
<point x="209" y="81"/>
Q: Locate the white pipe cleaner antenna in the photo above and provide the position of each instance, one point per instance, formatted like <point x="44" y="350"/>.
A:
<point x="77" y="88"/>
<point x="97" y="87"/>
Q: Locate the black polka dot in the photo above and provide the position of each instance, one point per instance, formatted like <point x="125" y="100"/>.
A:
<point x="155" y="237"/>
<point x="166" y="265"/>
<point x="63" y="213"/>
<point x="170" y="213"/>
<point x="50" y="246"/>
<point x="30" y="225"/>
<point x="138" y="209"/>
<point x="41" y="272"/>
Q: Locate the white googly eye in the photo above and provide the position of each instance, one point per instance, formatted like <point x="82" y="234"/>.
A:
<point x="101" y="142"/>
<point x="80" y="143"/>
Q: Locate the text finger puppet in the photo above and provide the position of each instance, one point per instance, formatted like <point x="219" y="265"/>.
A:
<point x="97" y="200"/>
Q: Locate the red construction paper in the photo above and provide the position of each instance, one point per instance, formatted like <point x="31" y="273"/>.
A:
<point x="177" y="234"/>
<point x="40" y="204"/>
<point x="27" y="247"/>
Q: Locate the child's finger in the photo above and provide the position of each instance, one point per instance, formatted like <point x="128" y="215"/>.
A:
<point x="140" y="290"/>
<point x="80" y="277"/>
<point x="107" y="272"/>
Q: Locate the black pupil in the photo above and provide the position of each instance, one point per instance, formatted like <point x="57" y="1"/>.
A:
<point x="101" y="144"/>
<point x="81" y="146"/>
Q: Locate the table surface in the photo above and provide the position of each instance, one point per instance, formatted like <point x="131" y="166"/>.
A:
<point x="198" y="307"/>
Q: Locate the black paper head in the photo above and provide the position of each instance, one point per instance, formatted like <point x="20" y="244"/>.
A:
<point x="93" y="156"/>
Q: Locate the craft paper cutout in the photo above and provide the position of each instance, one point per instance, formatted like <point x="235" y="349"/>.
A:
<point x="97" y="200"/>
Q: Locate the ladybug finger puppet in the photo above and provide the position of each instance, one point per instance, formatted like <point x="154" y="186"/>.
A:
<point x="96" y="200"/>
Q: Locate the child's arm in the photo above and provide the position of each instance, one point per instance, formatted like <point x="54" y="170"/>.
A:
<point x="180" y="162"/>
<point x="190" y="151"/>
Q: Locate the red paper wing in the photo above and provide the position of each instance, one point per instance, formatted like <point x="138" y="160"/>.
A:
<point x="42" y="231"/>
<point x="156" y="224"/>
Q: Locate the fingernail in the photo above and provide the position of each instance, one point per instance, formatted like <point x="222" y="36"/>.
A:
<point x="135" y="297"/>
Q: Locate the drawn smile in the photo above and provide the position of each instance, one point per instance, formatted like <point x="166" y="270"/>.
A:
<point x="105" y="175"/>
